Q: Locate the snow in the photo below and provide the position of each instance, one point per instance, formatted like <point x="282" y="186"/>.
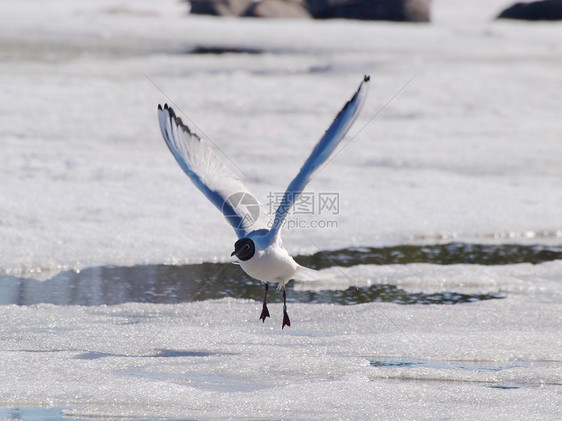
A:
<point x="459" y="141"/>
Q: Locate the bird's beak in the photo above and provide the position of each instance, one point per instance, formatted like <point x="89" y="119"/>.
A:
<point x="233" y="253"/>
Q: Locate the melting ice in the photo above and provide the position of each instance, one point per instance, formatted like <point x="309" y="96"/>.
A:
<point x="113" y="300"/>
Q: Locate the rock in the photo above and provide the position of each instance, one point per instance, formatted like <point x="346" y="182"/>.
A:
<point x="277" y="9"/>
<point x="393" y="10"/>
<point x="417" y="10"/>
<point x="250" y="8"/>
<point x="538" y="10"/>
<point x="220" y="7"/>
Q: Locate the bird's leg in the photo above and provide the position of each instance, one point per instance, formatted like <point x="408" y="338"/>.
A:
<point x="264" y="310"/>
<point x="286" y="321"/>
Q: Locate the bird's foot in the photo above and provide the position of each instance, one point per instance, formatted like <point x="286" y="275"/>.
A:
<point x="264" y="313"/>
<point x="286" y="321"/>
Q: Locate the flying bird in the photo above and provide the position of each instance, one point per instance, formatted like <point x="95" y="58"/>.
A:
<point x="259" y="249"/>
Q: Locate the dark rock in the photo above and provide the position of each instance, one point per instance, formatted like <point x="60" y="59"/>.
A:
<point x="538" y="10"/>
<point x="220" y="7"/>
<point x="393" y="10"/>
<point x="250" y="8"/>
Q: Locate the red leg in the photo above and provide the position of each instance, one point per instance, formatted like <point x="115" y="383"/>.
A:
<point x="264" y="310"/>
<point x="286" y="321"/>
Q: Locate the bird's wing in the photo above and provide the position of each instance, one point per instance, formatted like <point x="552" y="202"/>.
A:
<point x="197" y="159"/>
<point x="319" y="155"/>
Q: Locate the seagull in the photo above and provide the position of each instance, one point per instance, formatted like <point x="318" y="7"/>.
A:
<point x="259" y="249"/>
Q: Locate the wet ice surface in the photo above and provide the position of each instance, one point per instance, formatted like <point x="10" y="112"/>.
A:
<point x="214" y="359"/>
<point x="118" y="300"/>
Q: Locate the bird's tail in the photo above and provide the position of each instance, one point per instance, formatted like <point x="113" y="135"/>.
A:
<point x="306" y="274"/>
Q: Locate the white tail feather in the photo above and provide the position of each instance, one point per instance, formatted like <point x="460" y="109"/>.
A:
<point x="306" y="274"/>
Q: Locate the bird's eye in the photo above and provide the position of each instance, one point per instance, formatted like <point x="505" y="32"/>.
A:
<point x="247" y="247"/>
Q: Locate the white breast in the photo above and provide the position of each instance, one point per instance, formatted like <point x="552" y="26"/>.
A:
<point x="270" y="265"/>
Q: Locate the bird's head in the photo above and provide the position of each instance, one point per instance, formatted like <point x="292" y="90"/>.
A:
<point x="244" y="249"/>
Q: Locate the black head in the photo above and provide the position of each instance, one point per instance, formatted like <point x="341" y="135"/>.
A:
<point x="244" y="249"/>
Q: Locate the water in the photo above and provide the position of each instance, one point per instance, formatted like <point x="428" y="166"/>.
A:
<point x="167" y="284"/>
<point x="439" y="254"/>
<point x="41" y="414"/>
<point x="445" y="365"/>
<point x="175" y="284"/>
<point x="31" y="414"/>
<point x="479" y="368"/>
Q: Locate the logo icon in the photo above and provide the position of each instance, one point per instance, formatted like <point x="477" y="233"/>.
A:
<point x="241" y="206"/>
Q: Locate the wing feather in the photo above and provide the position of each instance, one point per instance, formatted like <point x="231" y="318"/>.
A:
<point x="323" y="149"/>
<point x="209" y="174"/>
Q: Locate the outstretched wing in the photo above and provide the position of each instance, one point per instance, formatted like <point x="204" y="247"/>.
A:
<point x="319" y="155"/>
<point x="197" y="159"/>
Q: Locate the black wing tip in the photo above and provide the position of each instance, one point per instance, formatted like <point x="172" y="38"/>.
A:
<point x="170" y="110"/>
<point x="179" y="123"/>
<point x="366" y="78"/>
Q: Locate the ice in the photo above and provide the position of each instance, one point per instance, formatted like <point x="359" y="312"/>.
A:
<point x="468" y="150"/>
<point x="459" y="141"/>
<point x="523" y="279"/>
<point x="215" y="359"/>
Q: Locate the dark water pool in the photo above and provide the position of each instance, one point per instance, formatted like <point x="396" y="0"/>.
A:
<point x="174" y="284"/>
